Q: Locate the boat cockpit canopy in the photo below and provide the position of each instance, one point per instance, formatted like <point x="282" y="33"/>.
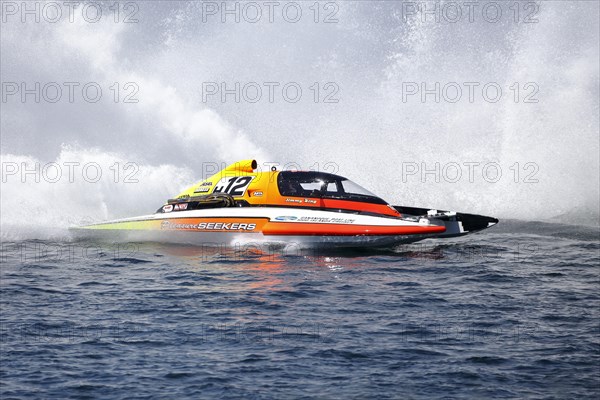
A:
<point x="323" y="185"/>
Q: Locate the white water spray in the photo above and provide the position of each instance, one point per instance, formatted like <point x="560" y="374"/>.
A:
<point x="375" y="132"/>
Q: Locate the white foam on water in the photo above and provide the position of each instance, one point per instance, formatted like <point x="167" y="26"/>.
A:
<point x="79" y="187"/>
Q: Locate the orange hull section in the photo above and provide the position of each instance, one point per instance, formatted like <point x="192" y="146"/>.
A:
<point x="300" y="229"/>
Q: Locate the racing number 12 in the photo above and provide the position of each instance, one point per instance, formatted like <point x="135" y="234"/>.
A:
<point x="235" y="186"/>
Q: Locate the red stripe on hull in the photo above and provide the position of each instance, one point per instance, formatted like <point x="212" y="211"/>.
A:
<point x="300" y="229"/>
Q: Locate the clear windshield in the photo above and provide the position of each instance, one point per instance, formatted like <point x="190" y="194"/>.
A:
<point x="355" y="188"/>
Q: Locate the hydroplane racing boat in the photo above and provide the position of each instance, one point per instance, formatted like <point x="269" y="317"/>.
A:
<point x="240" y="204"/>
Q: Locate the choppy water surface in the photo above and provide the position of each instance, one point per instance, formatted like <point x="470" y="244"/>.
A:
<point x="512" y="312"/>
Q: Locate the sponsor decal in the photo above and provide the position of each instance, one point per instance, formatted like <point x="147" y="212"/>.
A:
<point x="327" y="220"/>
<point x="180" y="207"/>
<point x="293" y="201"/>
<point x="172" y="225"/>
<point x="257" y="193"/>
<point x="168" y="208"/>
<point x="203" y="187"/>
<point x="285" y="218"/>
<point x="226" y="226"/>
<point x="209" y="226"/>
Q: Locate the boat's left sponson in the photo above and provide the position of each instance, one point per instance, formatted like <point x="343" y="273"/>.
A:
<point x="265" y="221"/>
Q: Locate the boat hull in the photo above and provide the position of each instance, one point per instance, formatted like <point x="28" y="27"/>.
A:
<point x="242" y="225"/>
